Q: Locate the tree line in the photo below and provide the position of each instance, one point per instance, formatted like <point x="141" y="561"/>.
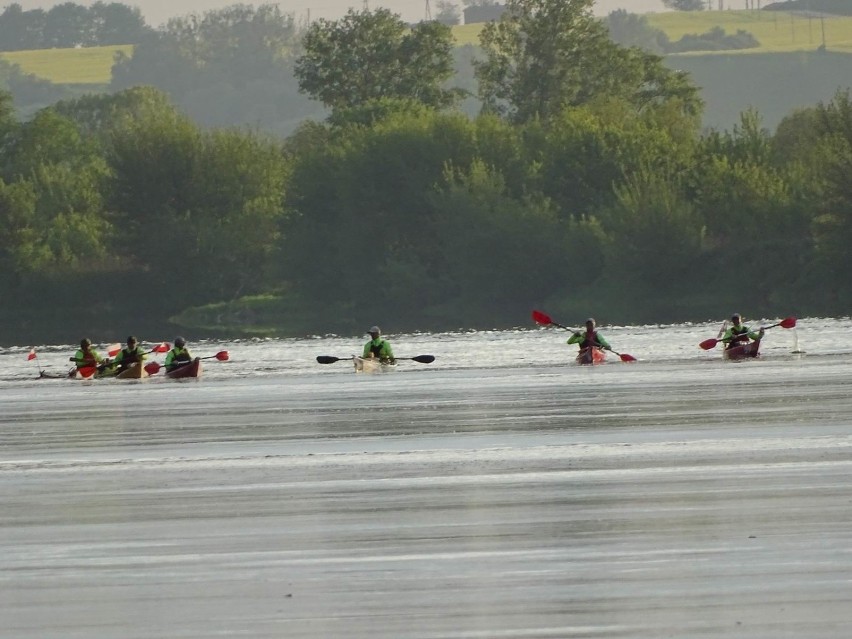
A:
<point x="69" y="25"/>
<point x="585" y="185"/>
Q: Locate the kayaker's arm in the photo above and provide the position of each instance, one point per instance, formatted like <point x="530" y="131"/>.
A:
<point x="576" y="338"/>
<point x="600" y="340"/>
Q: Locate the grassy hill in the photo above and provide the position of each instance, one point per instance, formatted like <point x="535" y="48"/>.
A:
<point x="784" y="73"/>
<point x="91" y="65"/>
<point x="778" y="32"/>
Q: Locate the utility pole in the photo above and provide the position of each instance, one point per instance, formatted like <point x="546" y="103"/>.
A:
<point x="428" y="12"/>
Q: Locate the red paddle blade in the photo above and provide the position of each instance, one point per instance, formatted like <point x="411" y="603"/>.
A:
<point x="113" y="349"/>
<point x="152" y="368"/>
<point x="790" y="322"/>
<point x="87" y="371"/>
<point x="707" y="344"/>
<point x="223" y="356"/>
<point x="164" y="347"/>
<point x="541" y="318"/>
<point x="626" y="358"/>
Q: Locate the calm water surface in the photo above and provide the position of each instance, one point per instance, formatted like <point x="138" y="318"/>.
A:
<point x="501" y="491"/>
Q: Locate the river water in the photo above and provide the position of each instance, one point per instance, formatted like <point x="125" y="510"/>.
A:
<point x="501" y="491"/>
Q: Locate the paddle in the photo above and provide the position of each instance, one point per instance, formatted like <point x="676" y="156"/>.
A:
<point x="153" y="367"/>
<point x="624" y="356"/>
<point x="88" y="371"/>
<point x="789" y="322"/>
<point x="328" y="359"/>
<point x="543" y="318"/>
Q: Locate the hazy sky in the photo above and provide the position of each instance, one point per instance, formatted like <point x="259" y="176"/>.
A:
<point x="157" y="12"/>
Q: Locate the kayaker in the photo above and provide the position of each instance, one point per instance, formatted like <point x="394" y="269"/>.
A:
<point x="589" y="338"/>
<point x="377" y="347"/>
<point x="131" y="354"/>
<point x="739" y="334"/>
<point x="87" y="356"/>
<point x="178" y="356"/>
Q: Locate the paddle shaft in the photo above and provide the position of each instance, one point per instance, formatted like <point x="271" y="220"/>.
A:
<point x="787" y="322"/>
<point x="330" y="359"/>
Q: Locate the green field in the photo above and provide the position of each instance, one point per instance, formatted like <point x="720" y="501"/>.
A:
<point x="777" y="32"/>
<point x="91" y="65"/>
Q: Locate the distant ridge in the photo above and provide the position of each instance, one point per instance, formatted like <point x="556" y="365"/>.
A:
<point x="829" y="7"/>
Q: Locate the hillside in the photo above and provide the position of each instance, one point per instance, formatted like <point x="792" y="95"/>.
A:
<point x="92" y="65"/>
<point x="777" y="32"/>
<point x="784" y="73"/>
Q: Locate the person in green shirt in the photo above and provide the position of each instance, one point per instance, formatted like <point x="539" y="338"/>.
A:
<point x="378" y="347"/>
<point x="132" y="354"/>
<point x="178" y="356"/>
<point x="739" y="334"/>
<point x="589" y="338"/>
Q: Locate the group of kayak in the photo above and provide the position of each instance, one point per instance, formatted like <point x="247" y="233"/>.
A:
<point x="740" y="341"/>
<point x="128" y="362"/>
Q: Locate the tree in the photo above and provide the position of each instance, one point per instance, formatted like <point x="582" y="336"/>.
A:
<point x="117" y="23"/>
<point x="369" y="55"/>
<point x="448" y="12"/>
<point x="632" y="30"/>
<point x="68" y="25"/>
<point x="685" y="5"/>
<point x="228" y="67"/>
<point x="545" y="55"/>
<point x="64" y="227"/>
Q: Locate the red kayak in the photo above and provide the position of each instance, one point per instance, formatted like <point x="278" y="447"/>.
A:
<point x="591" y="355"/>
<point x="190" y="369"/>
<point x="743" y="351"/>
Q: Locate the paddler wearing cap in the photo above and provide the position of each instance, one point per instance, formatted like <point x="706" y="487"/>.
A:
<point x="378" y="347"/>
<point x="589" y="338"/>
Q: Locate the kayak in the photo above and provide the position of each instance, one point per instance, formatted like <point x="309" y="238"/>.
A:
<point x="591" y="355"/>
<point x="136" y="371"/>
<point x="91" y="372"/>
<point x="743" y="351"/>
<point x="189" y="369"/>
<point x="370" y="365"/>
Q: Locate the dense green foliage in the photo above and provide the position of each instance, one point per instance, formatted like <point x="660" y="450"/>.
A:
<point x="232" y="66"/>
<point x="372" y="55"/>
<point x="119" y="212"/>
<point x="545" y="55"/>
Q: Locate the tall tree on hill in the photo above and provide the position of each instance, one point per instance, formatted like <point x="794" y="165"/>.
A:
<point x="545" y="55"/>
<point x="371" y="55"/>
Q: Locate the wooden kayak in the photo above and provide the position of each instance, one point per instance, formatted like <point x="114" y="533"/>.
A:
<point x="591" y="355"/>
<point x="743" y="351"/>
<point x="370" y="365"/>
<point x="189" y="369"/>
<point x="136" y="371"/>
